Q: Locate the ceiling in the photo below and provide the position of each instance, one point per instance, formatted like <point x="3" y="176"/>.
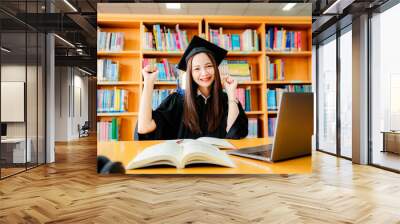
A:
<point x="242" y="9"/>
<point x="79" y="27"/>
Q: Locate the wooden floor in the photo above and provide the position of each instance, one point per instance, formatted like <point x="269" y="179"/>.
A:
<point x="70" y="191"/>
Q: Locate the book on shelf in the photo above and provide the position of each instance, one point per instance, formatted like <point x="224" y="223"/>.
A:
<point x="165" y="39"/>
<point x="112" y="100"/>
<point x="238" y="69"/>
<point x="107" y="70"/>
<point x="110" y="41"/>
<point x="276" y="69"/>
<point x="159" y="95"/>
<point x="280" y="39"/>
<point x="108" y="130"/>
<point x="245" y="41"/>
<point x="166" y="71"/>
<point x="180" y="153"/>
<point x="274" y="96"/>
<point x="271" y="126"/>
<point x="244" y="96"/>
<point x="252" y="128"/>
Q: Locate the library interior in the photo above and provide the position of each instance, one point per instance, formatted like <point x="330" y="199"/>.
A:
<point x="316" y="80"/>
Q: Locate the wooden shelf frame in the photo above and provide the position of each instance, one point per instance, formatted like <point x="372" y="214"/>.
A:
<point x="136" y="25"/>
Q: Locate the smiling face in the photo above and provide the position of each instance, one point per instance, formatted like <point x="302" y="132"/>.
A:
<point x="203" y="72"/>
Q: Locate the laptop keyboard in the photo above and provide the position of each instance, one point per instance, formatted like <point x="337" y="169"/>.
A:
<point x="262" y="153"/>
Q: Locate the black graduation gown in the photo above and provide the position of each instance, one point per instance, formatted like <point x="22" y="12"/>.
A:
<point x="169" y="120"/>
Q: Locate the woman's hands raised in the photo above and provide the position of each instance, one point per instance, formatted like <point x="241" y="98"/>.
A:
<point x="149" y="75"/>
<point x="230" y="86"/>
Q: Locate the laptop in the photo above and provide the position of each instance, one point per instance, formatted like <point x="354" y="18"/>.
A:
<point x="294" y="129"/>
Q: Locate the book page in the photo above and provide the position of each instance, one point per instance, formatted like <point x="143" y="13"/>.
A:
<point x="220" y="143"/>
<point x="167" y="153"/>
<point x="195" y="151"/>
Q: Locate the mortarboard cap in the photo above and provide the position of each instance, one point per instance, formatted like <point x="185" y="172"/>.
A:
<point x="197" y="45"/>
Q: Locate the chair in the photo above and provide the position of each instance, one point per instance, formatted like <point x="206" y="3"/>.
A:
<point x="84" y="130"/>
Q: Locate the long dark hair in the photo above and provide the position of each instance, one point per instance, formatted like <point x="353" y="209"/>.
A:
<point x="214" y="110"/>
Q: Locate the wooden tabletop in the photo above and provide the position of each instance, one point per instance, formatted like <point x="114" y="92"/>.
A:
<point x="125" y="151"/>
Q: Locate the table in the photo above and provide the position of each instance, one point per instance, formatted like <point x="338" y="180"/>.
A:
<point x="391" y="141"/>
<point x="125" y="151"/>
<point x="17" y="150"/>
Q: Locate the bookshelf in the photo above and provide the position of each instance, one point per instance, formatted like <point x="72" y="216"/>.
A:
<point x="297" y="63"/>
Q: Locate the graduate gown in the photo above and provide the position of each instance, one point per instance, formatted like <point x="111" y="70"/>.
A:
<point x="169" y="120"/>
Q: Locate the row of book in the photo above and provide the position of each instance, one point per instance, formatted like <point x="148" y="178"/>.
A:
<point x="165" y="39"/>
<point x="246" y="41"/>
<point x="279" y="39"/>
<point x="166" y="71"/>
<point x="252" y="128"/>
<point x="108" y="130"/>
<point x="271" y="126"/>
<point x="244" y="96"/>
<point x="107" y="70"/>
<point x="274" y="96"/>
<point x="110" y="41"/>
<point x="275" y="69"/>
<point x="158" y="96"/>
<point x="238" y="69"/>
<point x="112" y="100"/>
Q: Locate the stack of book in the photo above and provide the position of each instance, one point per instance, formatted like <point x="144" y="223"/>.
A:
<point x="112" y="100"/>
<point x="166" y="71"/>
<point x="159" y="95"/>
<point x="165" y="39"/>
<point x="108" y="131"/>
<point x="274" y="96"/>
<point x="246" y="41"/>
<point x="271" y="126"/>
<point x="238" y="69"/>
<point x="253" y="128"/>
<point x="244" y="96"/>
<point x="279" y="39"/>
<point x="107" y="41"/>
<point x="275" y="70"/>
<point x="107" y="70"/>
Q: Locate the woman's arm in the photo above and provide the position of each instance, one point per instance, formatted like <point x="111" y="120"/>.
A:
<point x="146" y="123"/>
<point x="233" y="110"/>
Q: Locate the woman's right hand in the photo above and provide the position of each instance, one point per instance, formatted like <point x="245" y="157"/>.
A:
<point x="149" y="76"/>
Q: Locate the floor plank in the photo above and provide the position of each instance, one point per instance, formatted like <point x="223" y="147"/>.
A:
<point x="70" y="191"/>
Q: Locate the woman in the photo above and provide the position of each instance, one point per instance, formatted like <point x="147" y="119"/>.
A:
<point x="203" y="110"/>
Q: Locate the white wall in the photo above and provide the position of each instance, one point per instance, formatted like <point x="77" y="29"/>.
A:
<point x="70" y="83"/>
<point x="12" y="73"/>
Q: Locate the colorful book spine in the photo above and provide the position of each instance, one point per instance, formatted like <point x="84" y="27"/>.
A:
<point x="271" y="126"/>
<point x="165" y="39"/>
<point x="110" y="41"/>
<point x="275" y="69"/>
<point x="245" y="41"/>
<point x="238" y="69"/>
<point x="252" y="128"/>
<point x="107" y="70"/>
<point x="108" y="130"/>
<point x="271" y="100"/>
<point x="280" y="39"/>
<point x="166" y="71"/>
<point x="244" y="97"/>
<point x="274" y="96"/>
<point x="158" y="96"/>
<point x="112" y="100"/>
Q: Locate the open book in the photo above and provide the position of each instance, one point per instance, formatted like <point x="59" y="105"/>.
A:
<point x="180" y="153"/>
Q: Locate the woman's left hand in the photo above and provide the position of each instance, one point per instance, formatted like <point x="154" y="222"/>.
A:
<point x="230" y="87"/>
